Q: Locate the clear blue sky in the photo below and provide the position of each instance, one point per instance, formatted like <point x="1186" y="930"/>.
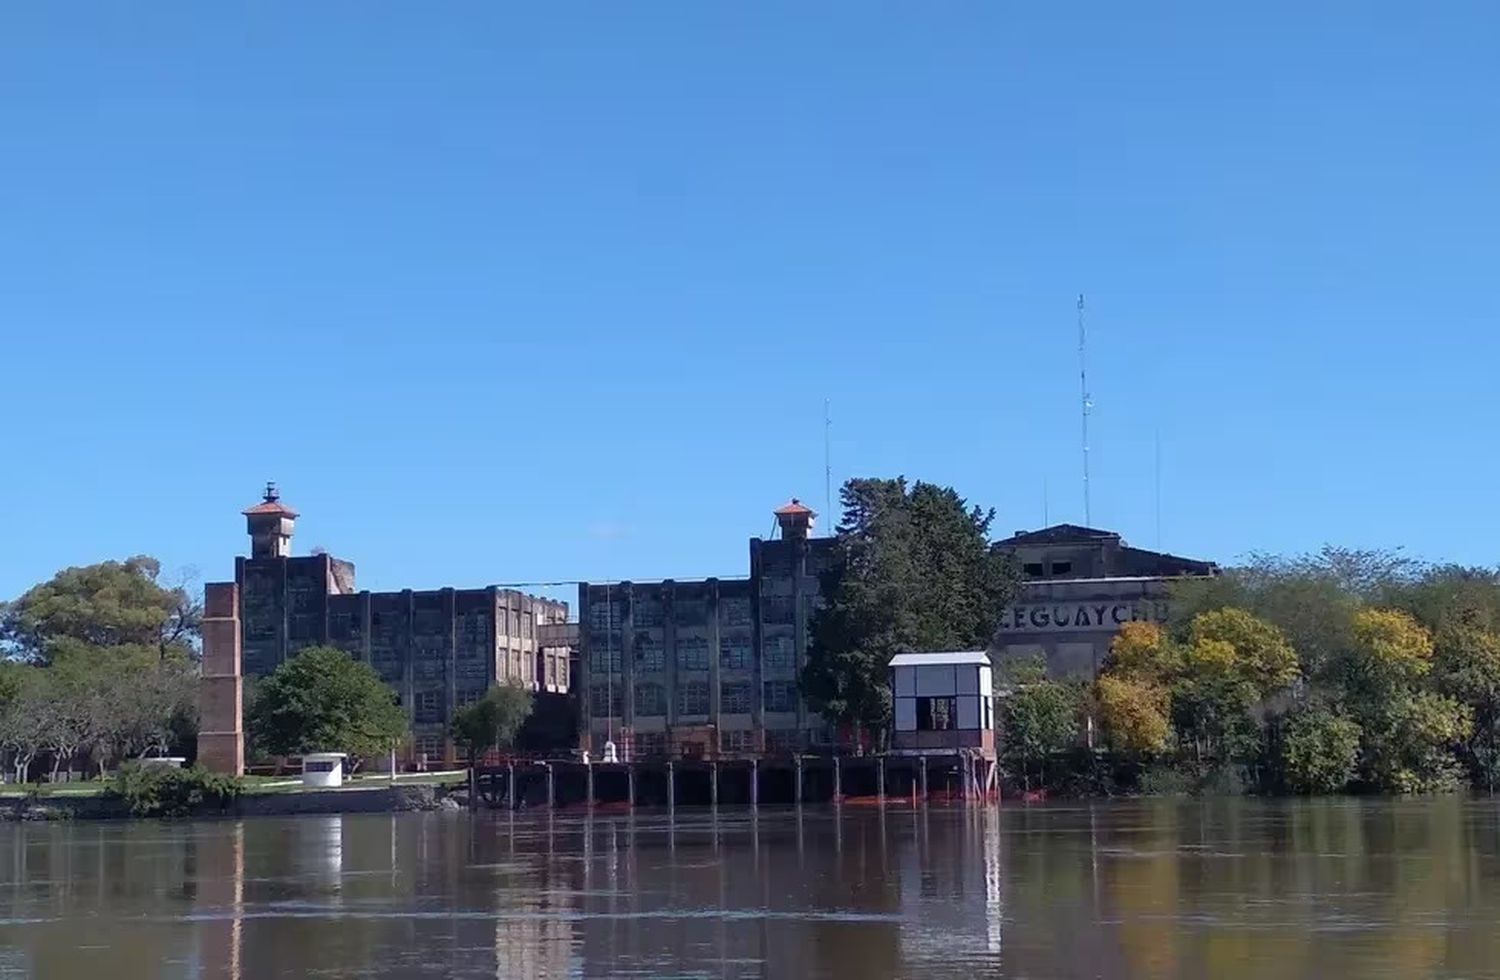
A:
<point x="505" y="292"/>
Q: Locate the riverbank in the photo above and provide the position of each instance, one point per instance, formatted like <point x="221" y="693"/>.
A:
<point x="353" y="799"/>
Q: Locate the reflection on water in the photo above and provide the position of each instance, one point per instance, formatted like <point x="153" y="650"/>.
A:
<point x="1229" y="888"/>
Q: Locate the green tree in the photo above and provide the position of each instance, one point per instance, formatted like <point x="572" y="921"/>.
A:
<point x="492" y="721"/>
<point x="114" y="605"/>
<point x="1312" y="599"/>
<point x="1319" y="751"/>
<point x="1134" y="713"/>
<point x="1467" y="668"/>
<point x="1038" y="721"/>
<point x="322" y="700"/>
<point x="913" y="569"/>
<point x="1410" y="743"/>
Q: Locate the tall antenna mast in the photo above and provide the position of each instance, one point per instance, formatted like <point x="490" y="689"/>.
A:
<point x="1087" y="406"/>
<point x="827" y="471"/>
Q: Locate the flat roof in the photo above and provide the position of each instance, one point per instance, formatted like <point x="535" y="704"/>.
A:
<point x="940" y="659"/>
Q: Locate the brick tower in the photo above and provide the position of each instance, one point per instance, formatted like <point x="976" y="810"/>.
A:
<point x="221" y="735"/>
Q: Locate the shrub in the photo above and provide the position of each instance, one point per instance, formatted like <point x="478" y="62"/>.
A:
<point x="158" y="791"/>
<point x="1319" y="751"/>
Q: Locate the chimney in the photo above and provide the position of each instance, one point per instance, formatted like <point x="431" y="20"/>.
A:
<point x="796" y="520"/>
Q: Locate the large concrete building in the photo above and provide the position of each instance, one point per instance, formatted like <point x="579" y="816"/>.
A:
<point x="709" y="667"/>
<point x="439" y="649"/>
<point x="1079" y="586"/>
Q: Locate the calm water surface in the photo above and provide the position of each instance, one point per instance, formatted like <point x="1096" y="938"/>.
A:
<point x="1229" y="888"/>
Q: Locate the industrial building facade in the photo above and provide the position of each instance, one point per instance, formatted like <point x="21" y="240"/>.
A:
<point x="438" y="649"/>
<point x="1079" y="586"/>
<point x="706" y="668"/>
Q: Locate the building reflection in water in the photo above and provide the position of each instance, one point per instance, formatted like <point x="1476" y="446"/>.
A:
<point x="1142" y="888"/>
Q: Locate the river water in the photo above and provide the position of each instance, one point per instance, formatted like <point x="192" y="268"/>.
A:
<point x="1158" y="888"/>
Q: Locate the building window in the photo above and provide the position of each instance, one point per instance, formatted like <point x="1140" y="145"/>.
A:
<point x="936" y="714"/>
<point x="648" y="745"/>
<point x="780" y="695"/>
<point x="692" y="653"/>
<point x="604" y="700"/>
<point x="690" y="612"/>
<point x="783" y="740"/>
<point x="649" y="655"/>
<point x="734" y="698"/>
<point x="1033" y="569"/>
<point x="776" y="609"/>
<point x="692" y="698"/>
<point x="647" y="613"/>
<point x="428" y="706"/>
<point x="1062" y="567"/>
<point x="781" y="653"/>
<point x="740" y="740"/>
<point x="604" y="615"/>
<point x="430" y="746"/>
<point x="650" y="699"/>
<point x="467" y="696"/>
<point x="605" y="661"/>
<point x="734" y="653"/>
<point x="734" y="612"/>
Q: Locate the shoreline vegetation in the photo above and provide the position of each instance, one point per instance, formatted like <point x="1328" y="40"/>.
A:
<point x="1343" y="671"/>
<point x="1340" y="672"/>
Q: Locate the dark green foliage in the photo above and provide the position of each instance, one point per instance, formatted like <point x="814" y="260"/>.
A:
<point x="1036" y="722"/>
<point x="1319" y="751"/>
<point x="492" y="721"/>
<point x="108" y="606"/>
<point x="914" y="569"/>
<point x="322" y="700"/>
<point x="159" y="791"/>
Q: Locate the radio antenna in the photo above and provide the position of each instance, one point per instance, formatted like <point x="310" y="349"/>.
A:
<point x="828" y="471"/>
<point x="1087" y="405"/>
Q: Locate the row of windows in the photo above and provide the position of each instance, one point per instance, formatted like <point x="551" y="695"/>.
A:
<point x="735" y="697"/>
<point x="693" y="654"/>
<point x="650" y="613"/>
